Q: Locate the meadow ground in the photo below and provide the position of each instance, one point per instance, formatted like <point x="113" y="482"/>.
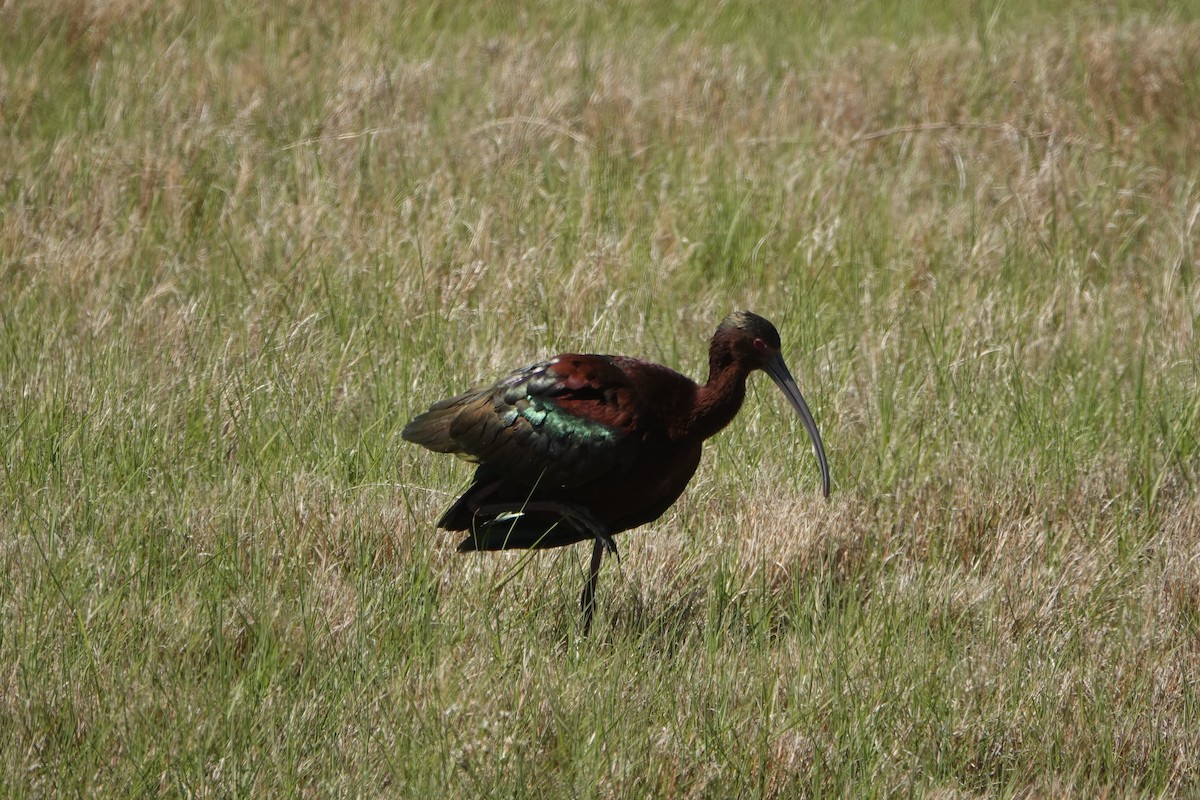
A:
<point x="240" y="247"/>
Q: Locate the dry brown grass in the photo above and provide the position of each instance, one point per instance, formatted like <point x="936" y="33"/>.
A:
<point x="240" y="248"/>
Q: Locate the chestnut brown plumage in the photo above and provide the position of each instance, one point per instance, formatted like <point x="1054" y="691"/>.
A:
<point x="587" y="446"/>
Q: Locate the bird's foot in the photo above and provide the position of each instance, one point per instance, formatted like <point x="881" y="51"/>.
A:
<point x="583" y="520"/>
<point x="610" y="546"/>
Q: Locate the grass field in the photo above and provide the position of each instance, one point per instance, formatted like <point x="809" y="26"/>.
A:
<point x="240" y="248"/>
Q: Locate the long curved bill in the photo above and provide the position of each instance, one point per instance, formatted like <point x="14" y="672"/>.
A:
<point x="777" y="369"/>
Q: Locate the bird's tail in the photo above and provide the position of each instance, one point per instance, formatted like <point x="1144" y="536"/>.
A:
<point x="432" y="429"/>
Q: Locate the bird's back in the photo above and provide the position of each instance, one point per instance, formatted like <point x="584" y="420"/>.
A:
<point x="564" y="420"/>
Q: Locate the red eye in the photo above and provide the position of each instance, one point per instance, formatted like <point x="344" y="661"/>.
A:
<point x="761" y="346"/>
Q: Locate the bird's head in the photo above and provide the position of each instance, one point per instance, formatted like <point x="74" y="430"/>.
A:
<point x="753" y="341"/>
<point x="750" y="339"/>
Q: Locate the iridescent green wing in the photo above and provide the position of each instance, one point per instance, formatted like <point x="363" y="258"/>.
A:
<point x="562" y="422"/>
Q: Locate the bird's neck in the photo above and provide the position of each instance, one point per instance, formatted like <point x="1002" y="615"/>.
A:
<point x="718" y="400"/>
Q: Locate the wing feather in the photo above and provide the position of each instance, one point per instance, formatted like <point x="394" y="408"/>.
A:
<point x="565" y="421"/>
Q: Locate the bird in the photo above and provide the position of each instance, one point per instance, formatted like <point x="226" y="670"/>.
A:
<point x="583" y="446"/>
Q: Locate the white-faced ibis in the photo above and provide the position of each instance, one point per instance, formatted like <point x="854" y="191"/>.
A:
<point x="586" y="446"/>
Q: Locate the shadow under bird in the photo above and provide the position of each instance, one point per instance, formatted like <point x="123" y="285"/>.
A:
<point x="587" y="446"/>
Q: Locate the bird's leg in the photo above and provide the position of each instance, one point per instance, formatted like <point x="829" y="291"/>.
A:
<point x="584" y="522"/>
<point x="587" y="600"/>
